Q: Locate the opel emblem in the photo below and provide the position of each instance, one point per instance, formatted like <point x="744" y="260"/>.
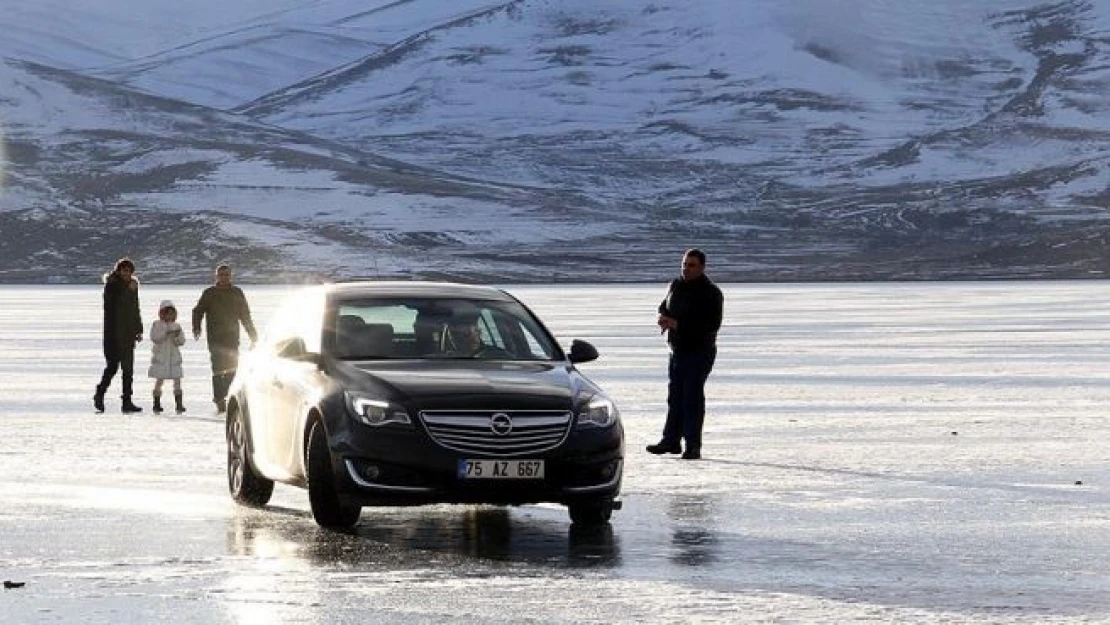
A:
<point x="501" y="424"/>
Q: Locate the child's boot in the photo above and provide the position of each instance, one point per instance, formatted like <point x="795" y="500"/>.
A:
<point x="177" y="398"/>
<point x="157" y="403"/>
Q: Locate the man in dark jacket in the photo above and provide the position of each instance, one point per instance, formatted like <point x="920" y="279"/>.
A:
<point x="691" y="316"/>
<point x="123" y="327"/>
<point x="225" y="307"/>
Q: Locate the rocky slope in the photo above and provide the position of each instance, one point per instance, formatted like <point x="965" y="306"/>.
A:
<point x="556" y="141"/>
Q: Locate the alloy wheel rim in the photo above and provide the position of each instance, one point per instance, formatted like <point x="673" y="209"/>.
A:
<point x="235" y="455"/>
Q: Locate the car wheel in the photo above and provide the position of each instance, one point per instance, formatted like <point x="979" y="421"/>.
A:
<point x="327" y="508"/>
<point x="591" y="512"/>
<point x="246" y="486"/>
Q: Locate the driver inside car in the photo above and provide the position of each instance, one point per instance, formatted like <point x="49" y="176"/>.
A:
<point x="464" y="338"/>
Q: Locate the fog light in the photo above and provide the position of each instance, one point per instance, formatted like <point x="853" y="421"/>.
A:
<point x="371" y="472"/>
<point x="608" y="470"/>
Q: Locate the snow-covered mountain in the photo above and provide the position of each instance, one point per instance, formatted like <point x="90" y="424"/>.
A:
<point x="566" y="140"/>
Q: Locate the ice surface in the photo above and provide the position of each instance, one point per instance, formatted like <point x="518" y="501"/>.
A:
<point x="926" y="453"/>
<point x="501" y="134"/>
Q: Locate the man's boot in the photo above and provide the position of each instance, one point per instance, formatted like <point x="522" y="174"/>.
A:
<point x="157" y="403"/>
<point x="127" y="406"/>
<point x="98" y="401"/>
<point x="177" y="398"/>
<point x="664" y="447"/>
<point x="692" y="453"/>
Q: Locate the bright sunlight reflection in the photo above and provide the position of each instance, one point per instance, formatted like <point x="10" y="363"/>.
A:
<point x="254" y="596"/>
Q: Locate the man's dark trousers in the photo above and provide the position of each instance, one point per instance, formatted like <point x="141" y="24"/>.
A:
<point x="117" y="358"/>
<point x="225" y="362"/>
<point x="688" y="370"/>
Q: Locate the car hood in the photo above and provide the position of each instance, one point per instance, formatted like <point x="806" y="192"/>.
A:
<point x="473" y="385"/>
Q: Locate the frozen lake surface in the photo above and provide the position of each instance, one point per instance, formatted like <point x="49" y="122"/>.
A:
<point x="926" y="453"/>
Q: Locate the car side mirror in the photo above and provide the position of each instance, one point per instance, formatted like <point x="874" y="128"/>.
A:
<point x="581" y="351"/>
<point x="290" y="348"/>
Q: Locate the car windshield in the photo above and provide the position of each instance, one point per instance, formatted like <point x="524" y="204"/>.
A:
<point x="437" y="328"/>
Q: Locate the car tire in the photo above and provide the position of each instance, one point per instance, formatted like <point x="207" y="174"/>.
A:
<point x="246" y="486"/>
<point x="591" y="512"/>
<point x="328" y="509"/>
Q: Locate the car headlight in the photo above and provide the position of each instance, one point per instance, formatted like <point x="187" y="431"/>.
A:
<point x="375" y="412"/>
<point x="600" y="412"/>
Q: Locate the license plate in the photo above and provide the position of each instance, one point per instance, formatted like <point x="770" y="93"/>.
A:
<point x="501" y="469"/>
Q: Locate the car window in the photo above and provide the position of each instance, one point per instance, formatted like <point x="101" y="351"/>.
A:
<point x="536" y="347"/>
<point x="298" y="318"/>
<point x="429" y="328"/>
<point x="399" y="317"/>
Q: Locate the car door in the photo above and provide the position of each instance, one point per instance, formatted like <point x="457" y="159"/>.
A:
<point x="255" y="377"/>
<point x="297" y="377"/>
<point x="292" y="332"/>
<point x="259" y="373"/>
<point x="293" y="391"/>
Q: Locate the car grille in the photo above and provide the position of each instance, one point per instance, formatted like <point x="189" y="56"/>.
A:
<point x="472" y="431"/>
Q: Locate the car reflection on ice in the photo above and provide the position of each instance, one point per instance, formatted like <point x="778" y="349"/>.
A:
<point x="407" y="393"/>
<point x="397" y="539"/>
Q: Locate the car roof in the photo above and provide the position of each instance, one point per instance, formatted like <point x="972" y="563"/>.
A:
<point x="396" y="288"/>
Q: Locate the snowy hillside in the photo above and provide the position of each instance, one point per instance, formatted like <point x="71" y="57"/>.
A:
<point x="552" y="141"/>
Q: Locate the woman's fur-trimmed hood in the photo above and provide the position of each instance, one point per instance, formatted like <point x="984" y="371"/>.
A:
<point x="111" y="275"/>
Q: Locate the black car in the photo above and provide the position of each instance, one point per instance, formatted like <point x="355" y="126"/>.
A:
<point x="409" y="393"/>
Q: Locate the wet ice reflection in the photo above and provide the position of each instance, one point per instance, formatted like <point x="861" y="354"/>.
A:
<point x="417" y="537"/>
<point x="693" y="540"/>
<point x="832" y="489"/>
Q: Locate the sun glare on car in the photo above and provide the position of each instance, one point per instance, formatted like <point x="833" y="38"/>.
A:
<point x="374" y="394"/>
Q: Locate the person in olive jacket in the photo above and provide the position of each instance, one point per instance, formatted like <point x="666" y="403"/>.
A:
<point x="123" y="328"/>
<point x="223" y="307"/>
<point x="690" y="315"/>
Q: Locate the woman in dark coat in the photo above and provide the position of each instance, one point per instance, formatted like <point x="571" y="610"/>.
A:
<point x="123" y="328"/>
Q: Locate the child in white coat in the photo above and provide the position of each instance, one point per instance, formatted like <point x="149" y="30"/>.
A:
<point x="165" y="358"/>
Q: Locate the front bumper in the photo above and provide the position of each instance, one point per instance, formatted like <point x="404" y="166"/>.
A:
<point x="399" y="467"/>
